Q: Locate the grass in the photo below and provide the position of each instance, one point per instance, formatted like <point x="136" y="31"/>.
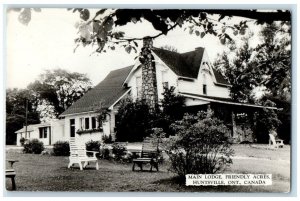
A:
<point x="50" y="173"/>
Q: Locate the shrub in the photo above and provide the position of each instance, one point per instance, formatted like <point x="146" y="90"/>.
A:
<point x="200" y="147"/>
<point x="22" y="141"/>
<point x="107" y="139"/>
<point x="118" y="150"/>
<point x="33" y="146"/>
<point x="104" y="152"/>
<point x="133" y="121"/>
<point x="61" y="148"/>
<point x="93" y="146"/>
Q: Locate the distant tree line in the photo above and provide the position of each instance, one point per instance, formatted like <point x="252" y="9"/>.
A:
<point x="45" y="99"/>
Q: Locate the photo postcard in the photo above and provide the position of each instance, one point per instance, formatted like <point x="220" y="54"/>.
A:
<point x="148" y="100"/>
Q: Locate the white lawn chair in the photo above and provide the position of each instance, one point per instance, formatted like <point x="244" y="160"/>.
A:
<point x="276" y="143"/>
<point x="78" y="154"/>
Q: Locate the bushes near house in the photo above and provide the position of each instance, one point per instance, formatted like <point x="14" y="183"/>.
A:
<point x="119" y="151"/>
<point x="93" y="146"/>
<point x="133" y="121"/>
<point x="107" y="139"/>
<point x="200" y="147"/>
<point x="104" y="152"/>
<point x="33" y="147"/>
<point x="22" y="141"/>
<point x="61" y="148"/>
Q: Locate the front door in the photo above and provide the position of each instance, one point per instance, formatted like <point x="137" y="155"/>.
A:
<point x="72" y="127"/>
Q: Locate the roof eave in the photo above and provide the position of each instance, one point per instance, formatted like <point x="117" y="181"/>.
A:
<point x="229" y="102"/>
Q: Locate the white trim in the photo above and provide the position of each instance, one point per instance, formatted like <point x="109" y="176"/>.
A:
<point x="111" y="107"/>
<point x="187" y="78"/>
<point x="135" y="67"/>
<point x="77" y="113"/>
<point x="225" y="85"/>
<point x="230" y="103"/>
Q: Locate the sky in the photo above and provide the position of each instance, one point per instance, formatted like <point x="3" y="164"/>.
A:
<point x="47" y="42"/>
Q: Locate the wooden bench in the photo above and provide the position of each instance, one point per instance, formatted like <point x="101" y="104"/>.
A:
<point x="149" y="155"/>
<point x="78" y="154"/>
<point x="11" y="173"/>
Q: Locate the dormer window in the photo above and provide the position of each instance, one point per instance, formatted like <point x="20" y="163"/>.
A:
<point x="204" y="86"/>
<point x="204" y="89"/>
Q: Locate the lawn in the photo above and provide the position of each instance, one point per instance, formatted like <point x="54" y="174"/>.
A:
<point x="50" y="173"/>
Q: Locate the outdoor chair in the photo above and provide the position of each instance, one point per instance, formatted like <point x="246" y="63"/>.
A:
<point x="275" y="142"/>
<point x="78" y="154"/>
<point x="149" y="155"/>
<point x="11" y="173"/>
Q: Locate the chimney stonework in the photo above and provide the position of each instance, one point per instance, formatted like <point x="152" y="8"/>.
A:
<point x="149" y="82"/>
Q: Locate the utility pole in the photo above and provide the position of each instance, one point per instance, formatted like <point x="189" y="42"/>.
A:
<point x="26" y="114"/>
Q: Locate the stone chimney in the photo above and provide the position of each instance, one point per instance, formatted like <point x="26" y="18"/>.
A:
<point x="149" y="83"/>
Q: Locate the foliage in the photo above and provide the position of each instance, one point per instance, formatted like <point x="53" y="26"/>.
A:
<point x="93" y="145"/>
<point x="101" y="29"/>
<point x="266" y="120"/>
<point x="267" y="66"/>
<point x="61" y="148"/>
<point x="92" y="130"/>
<point x="60" y="88"/>
<point x="118" y="150"/>
<point x="201" y="145"/>
<point x="22" y="141"/>
<point x="266" y="69"/>
<point x="33" y="146"/>
<point x="273" y="60"/>
<point x="107" y="139"/>
<point x="172" y="104"/>
<point x="173" y="107"/>
<point x="157" y="136"/>
<point x="170" y="48"/>
<point x="16" y="109"/>
<point x="133" y="121"/>
<point x="104" y="151"/>
<point x="102" y="115"/>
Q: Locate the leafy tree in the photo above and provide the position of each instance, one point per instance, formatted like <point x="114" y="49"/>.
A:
<point x="239" y="71"/>
<point x="268" y="67"/>
<point x="60" y="89"/>
<point x="201" y="145"/>
<point x="173" y="108"/>
<point x="273" y="59"/>
<point x="99" y="28"/>
<point x="133" y="121"/>
<point x="170" y="48"/>
<point x="266" y="120"/>
<point x="16" y="112"/>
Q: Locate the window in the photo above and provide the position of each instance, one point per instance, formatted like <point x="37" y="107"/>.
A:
<point x="43" y="132"/>
<point x="93" y="122"/>
<point x="81" y="123"/>
<point x="72" y="127"/>
<point x="204" y="89"/>
<point x="87" y="123"/>
<point x="164" y="79"/>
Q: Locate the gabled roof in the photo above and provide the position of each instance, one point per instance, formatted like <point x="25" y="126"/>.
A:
<point x="103" y="95"/>
<point x="31" y="127"/>
<point x="186" y="64"/>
